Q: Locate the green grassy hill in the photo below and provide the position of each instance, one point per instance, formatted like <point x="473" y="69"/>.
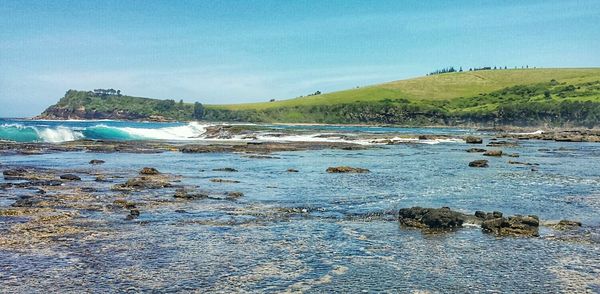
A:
<point x="487" y="97"/>
<point x="436" y="87"/>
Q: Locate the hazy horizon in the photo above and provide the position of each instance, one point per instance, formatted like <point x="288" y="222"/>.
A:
<point x="236" y="51"/>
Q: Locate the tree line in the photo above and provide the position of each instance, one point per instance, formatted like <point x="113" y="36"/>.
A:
<point x="460" y="69"/>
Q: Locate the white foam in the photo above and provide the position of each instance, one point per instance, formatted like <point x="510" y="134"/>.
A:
<point x="191" y="131"/>
<point x="538" y="132"/>
<point x="415" y="140"/>
<point x="57" y="135"/>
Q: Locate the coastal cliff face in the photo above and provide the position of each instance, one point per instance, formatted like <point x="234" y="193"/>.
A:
<point x="56" y="112"/>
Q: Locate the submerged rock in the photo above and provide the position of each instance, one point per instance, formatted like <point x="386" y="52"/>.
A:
<point x="149" y="171"/>
<point x="234" y="195"/>
<point x="476" y="150"/>
<point x="493" y="153"/>
<point x="520" y="163"/>
<point x="124" y="204"/>
<point x="473" y="140"/>
<point x="14" y="174"/>
<point x="101" y="178"/>
<point x="518" y="225"/>
<point x="225" y="169"/>
<point x="566" y="225"/>
<point x="26" y="201"/>
<point x="430" y="218"/>
<point x="346" y="169"/>
<point x="51" y="183"/>
<point x="479" y="163"/>
<point x="27" y="174"/>
<point x="503" y="143"/>
<point x="184" y="193"/>
<point x="70" y="177"/>
<point x="133" y="214"/>
<point x="216" y="180"/>
<point x="143" y="183"/>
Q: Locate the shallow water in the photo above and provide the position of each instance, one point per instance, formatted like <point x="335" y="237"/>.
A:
<point x="327" y="245"/>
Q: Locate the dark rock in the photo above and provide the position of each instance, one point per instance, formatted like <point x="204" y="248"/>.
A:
<point x="223" y="181"/>
<point x="26" y="201"/>
<point x="503" y="143"/>
<point x="520" y="163"/>
<point x="479" y="163"/>
<point x="226" y="169"/>
<point x="101" y="179"/>
<point x="473" y="140"/>
<point x="124" y="204"/>
<point x="291" y="170"/>
<point x="346" y="169"/>
<point x="233" y="195"/>
<point x="143" y="183"/>
<point x="15" y="174"/>
<point x="493" y="153"/>
<point x="480" y="214"/>
<point x="70" y="177"/>
<point x="476" y="150"/>
<point x="133" y="214"/>
<point x="573" y="138"/>
<point x="254" y="156"/>
<point x="183" y="193"/>
<point x="51" y="183"/>
<point x="96" y="161"/>
<point x="149" y="171"/>
<point x="430" y="218"/>
<point x="487" y="215"/>
<point x="522" y="226"/>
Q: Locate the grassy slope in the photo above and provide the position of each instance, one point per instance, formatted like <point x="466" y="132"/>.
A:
<point x="436" y="87"/>
<point x="523" y="96"/>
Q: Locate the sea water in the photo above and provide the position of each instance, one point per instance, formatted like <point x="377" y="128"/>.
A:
<point x="217" y="246"/>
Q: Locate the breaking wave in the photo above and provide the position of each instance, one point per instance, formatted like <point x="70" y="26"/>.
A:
<point x="54" y="134"/>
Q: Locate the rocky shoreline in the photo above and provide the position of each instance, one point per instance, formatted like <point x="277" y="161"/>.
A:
<point x="49" y="205"/>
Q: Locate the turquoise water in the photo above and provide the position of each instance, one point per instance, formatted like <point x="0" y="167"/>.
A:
<point x="61" y="131"/>
<point x="328" y="245"/>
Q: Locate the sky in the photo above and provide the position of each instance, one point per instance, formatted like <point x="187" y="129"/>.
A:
<point x="218" y="52"/>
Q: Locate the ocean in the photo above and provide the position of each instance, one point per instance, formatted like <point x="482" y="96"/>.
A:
<point x="308" y="231"/>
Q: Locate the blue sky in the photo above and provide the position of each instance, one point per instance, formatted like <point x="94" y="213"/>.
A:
<point x="245" y="51"/>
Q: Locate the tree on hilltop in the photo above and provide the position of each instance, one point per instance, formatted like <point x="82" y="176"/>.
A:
<point x="198" y="111"/>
